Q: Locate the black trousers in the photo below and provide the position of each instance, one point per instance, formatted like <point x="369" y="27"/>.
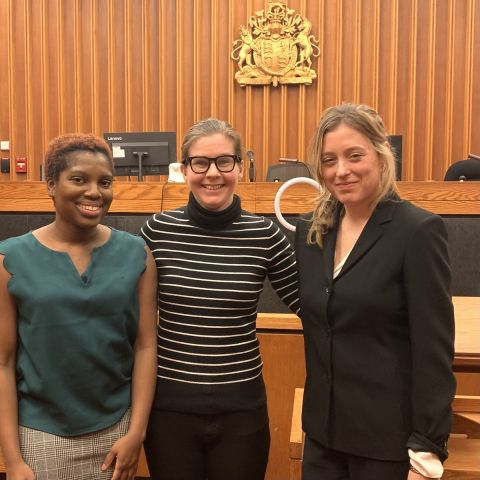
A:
<point x="320" y="463"/>
<point x="228" y="446"/>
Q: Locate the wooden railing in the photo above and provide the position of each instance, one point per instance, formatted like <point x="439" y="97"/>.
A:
<point x="445" y="198"/>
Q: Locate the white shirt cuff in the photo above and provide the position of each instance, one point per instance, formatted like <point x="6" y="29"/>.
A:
<point x="427" y="463"/>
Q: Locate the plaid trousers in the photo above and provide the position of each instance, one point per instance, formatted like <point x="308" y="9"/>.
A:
<point x="54" y="457"/>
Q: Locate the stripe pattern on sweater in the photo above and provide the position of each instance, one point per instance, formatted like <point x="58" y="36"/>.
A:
<point x="209" y="284"/>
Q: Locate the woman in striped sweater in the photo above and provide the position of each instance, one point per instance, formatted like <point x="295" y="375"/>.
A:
<point x="209" y="419"/>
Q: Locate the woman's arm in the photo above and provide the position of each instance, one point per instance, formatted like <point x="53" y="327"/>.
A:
<point x="9" y="442"/>
<point x="282" y="271"/>
<point x="427" y="286"/>
<point x="126" y="451"/>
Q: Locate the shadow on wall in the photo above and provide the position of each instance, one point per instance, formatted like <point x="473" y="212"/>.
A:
<point x="463" y="239"/>
<point x="463" y="232"/>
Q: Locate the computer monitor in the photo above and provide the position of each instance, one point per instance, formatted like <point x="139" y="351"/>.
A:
<point x="142" y="153"/>
<point x="396" y="142"/>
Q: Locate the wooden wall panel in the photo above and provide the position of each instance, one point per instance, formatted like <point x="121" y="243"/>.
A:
<point x="348" y="50"/>
<point x="403" y="111"/>
<point x="135" y="64"/>
<point x="69" y="109"/>
<point x="18" y="60"/>
<point x="85" y="60"/>
<point x="474" y="140"/>
<point x="442" y="87"/>
<point x="387" y="64"/>
<point x="222" y="70"/>
<point x="461" y="64"/>
<point x="369" y="53"/>
<point x="331" y="53"/>
<point x="153" y="21"/>
<point x="117" y="93"/>
<point x="168" y="78"/>
<point x="35" y="89"/>
<point x="127" y="65"/>
<point x="5" y="99"/>
<point x="100" y="69"/>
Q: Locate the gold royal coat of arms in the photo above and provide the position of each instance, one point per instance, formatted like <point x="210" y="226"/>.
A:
<point x="278" y="48"/>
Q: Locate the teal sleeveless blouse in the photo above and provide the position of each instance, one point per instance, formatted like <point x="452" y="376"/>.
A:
<point x="76" y="333"/>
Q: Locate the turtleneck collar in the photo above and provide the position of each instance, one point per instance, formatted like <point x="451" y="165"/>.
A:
<point x="202" y="217"/>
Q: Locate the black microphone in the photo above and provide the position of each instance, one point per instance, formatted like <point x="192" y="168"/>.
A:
<point x="251" y="168"/>
<point x="462" y="178"/>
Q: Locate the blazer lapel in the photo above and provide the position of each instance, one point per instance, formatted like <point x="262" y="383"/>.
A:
<point x="329" y="241"/>
<point x="372" y="232"/>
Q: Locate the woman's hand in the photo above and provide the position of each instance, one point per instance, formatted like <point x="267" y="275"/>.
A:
<point x="417" y="476"/>
<point x="20" y="471"/>
<point x="125" y="452"/>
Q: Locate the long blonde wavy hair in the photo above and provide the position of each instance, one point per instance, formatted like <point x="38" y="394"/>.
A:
<point x="368" y="122"/>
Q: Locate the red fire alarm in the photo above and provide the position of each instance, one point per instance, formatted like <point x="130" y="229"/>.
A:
<point x="21" y="164"/>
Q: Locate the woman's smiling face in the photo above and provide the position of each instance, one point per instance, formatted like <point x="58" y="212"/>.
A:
<point x="213" y="190"/>
<point x="83" y="192"/>
<point x="350" y="166"/>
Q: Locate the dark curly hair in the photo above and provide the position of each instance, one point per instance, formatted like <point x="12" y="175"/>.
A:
<point x="56" y="156"/>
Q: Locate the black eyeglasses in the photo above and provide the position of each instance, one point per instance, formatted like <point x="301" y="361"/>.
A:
<point x="224" y="163"/>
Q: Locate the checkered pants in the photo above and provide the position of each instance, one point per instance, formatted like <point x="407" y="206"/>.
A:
<point x="52" y="457"/>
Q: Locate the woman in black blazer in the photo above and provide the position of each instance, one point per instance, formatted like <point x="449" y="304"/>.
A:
<point x="377" y="314"/>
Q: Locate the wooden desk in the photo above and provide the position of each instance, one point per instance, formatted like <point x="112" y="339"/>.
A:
<point x="443" y="198"/>
<point x="467" y="334"/>
<point x="467" y="331"/>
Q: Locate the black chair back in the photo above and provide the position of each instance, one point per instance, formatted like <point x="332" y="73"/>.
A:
<point x="282" y="172"/>
<point x="464" y="170"/>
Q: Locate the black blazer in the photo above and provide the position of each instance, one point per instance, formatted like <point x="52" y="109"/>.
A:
<point x="379" y="339"/>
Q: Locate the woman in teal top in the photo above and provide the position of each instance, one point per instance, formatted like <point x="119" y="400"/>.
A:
<point x="77" y="330"/>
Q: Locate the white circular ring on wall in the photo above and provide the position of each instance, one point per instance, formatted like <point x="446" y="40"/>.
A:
<point x="279" y="194"/>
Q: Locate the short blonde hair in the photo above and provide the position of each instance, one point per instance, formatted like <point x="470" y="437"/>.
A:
<point x="368" y="122"/>
<point x="207" y="127"/>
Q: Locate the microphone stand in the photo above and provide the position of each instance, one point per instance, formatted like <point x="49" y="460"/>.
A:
<point x="251" y="167"/>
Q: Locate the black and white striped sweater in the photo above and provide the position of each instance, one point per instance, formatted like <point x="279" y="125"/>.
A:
<point x="211" y="268"/>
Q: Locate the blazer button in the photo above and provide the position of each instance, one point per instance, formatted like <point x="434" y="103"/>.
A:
<point x="327" y="290"/>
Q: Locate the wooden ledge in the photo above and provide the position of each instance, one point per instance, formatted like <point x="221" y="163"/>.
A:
<point x="444" y="198"/>
<point x="297" y="436"/>
<point x="279" y="321"/>
<point x="466" y="404"/>
<point x="464" y="459"/>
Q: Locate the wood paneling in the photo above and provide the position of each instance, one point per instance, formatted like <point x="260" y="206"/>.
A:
<point x="443" y="198"/>
<point x="283" y="371"/>
<point x="130" y="65"/>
